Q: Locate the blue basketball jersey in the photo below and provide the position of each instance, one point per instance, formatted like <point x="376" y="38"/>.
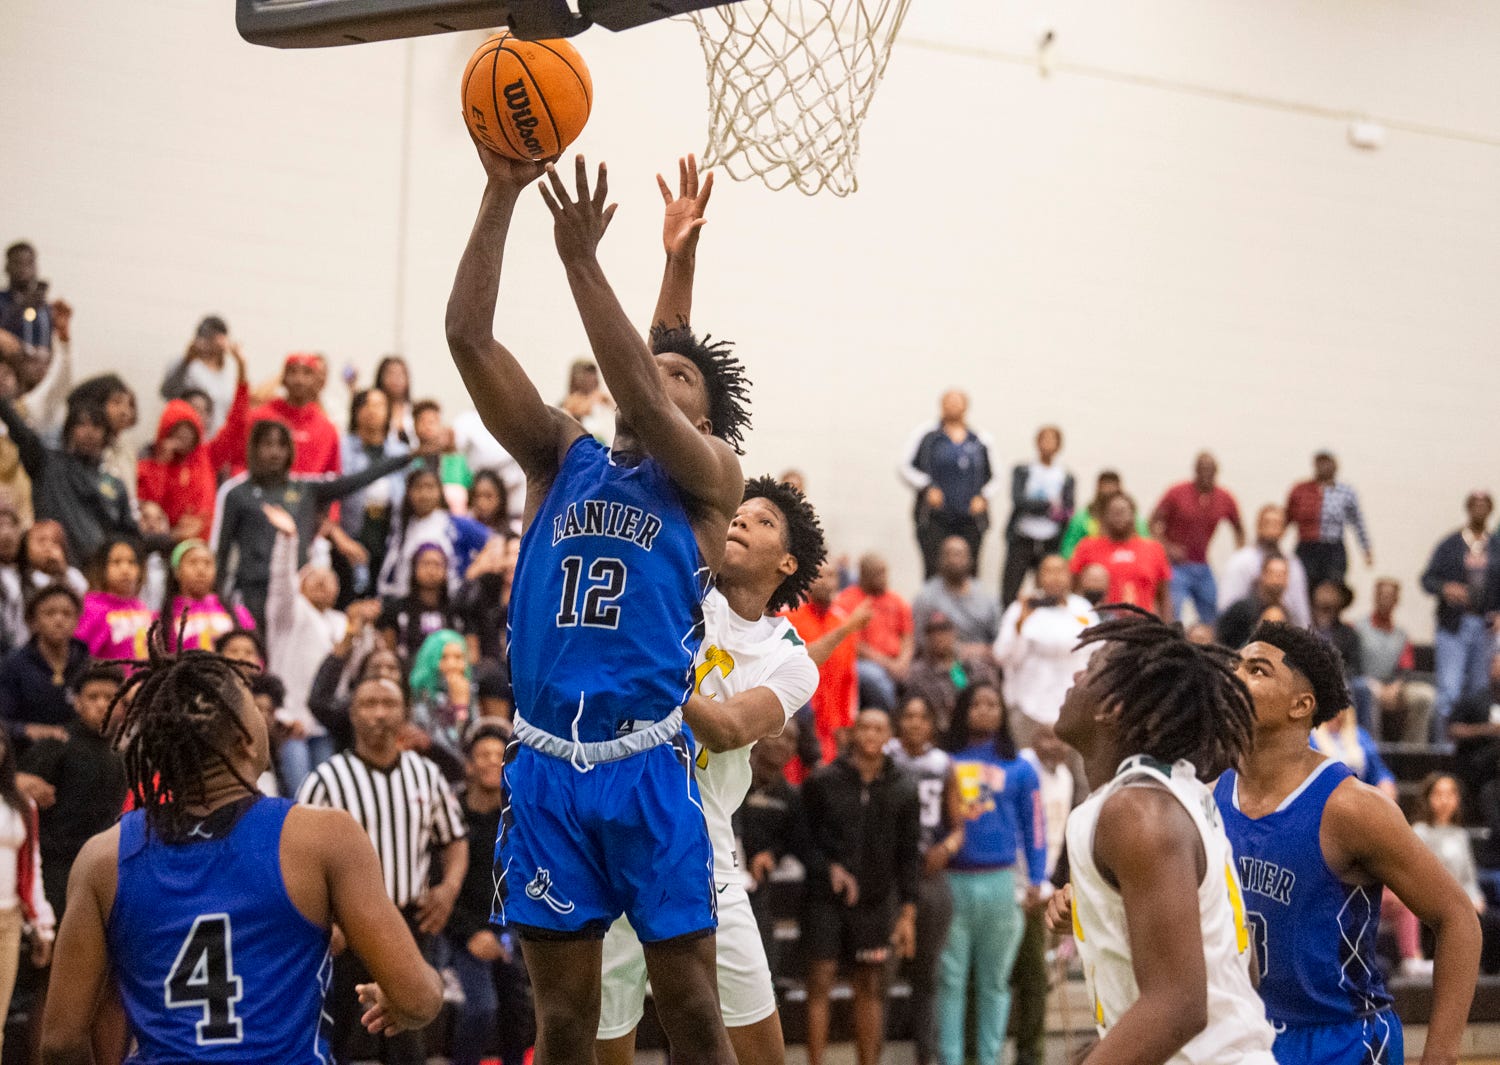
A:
<point x="1314" y="933"/>
<point x="606" y="609"/>
<point x="214" y="962"/>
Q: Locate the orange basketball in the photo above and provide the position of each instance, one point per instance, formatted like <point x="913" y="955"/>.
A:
<point x="526" y="99"/>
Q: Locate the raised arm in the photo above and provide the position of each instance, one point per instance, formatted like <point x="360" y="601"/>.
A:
<point x="703" y="466"/>
<point x="512" y="409"/>
<point x="684" y="218"/>
<point x="33" y="453"/>
<point x="336" y="488"/>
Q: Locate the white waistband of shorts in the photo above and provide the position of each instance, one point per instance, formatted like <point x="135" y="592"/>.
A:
<point x="577" y="751"/>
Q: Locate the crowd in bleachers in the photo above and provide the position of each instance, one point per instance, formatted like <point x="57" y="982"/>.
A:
<point x="383" y="547"/>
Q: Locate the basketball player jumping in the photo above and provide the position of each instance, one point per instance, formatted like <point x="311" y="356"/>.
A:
<point x="753" y="674"/>
<point x="209" y="904"/>
<point x="1315" y="848"/>
<point x="1156" y="909"/>
<point x="602" y="814"/>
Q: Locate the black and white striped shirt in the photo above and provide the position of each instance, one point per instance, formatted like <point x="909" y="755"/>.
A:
<point x="406" y="810"/>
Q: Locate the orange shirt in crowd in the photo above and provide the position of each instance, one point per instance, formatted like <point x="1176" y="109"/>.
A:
<point x="890" y="622"/>
<point x="1137" y="567"/>
<point x="834" y="702"/>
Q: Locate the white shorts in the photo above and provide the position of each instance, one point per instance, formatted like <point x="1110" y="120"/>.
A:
<point x="745" y="992"/>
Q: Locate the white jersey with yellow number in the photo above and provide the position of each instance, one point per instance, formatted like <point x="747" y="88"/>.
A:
<point x="736" y="655"/>
<point x="1237" y="1029"/>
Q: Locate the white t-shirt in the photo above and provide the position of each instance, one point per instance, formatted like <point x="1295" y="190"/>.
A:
<point x="1041" y="659"/>
<point x="483" y="452"/>
<point x="220" y="385"/>
<point x="738" y="654"/>
<point x="1238" y="1031"/>
<point x="1042" y="482"/>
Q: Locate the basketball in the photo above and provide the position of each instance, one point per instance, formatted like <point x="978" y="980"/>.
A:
<point x="526" y="99"/>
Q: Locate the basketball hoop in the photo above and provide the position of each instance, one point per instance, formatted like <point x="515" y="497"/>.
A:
<point x="789" y="82"/>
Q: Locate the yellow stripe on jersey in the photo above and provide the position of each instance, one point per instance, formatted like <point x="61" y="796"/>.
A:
<point x="1237" y="905"/>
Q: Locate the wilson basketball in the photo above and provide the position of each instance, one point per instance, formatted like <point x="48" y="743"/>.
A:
<point x="526" y="99"/>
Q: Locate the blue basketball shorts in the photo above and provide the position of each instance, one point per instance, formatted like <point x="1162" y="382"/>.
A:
<point x="1373" y="1040"/>
<point x="580" y="847"/>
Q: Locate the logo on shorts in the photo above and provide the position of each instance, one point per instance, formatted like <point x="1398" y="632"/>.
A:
<point x="540" y="889"/>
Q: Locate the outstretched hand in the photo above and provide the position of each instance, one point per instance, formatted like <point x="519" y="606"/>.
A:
<point x="505" y="172"/>
<point x="684" y="214"/>
<point x="578" y="225"/>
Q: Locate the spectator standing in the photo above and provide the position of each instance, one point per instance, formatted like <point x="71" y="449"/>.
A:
<point x="1000" y="800"/>
<point x="1322" y="509"/>
<point x="1238" y="622"/>
<point x="115" y="620"/>
<point x="1464" y="575"/>
<point x="425" y="519"/>
<point x="302" y="629"/>
<point x="939" y="674"/>
<point x="315" y="449"/>
<point x="1243" y="568"/>
<point x="1138" y="570"/>
<point x="1185" y="522"/>
<point x="213" y="365"/>
<point x="955" y="594"/>
<point x="110" y="393"/>
<point x="1388" y="658"/>
<point x="393" y="379"/>
<point x="948" y="466"/>
<point x="941" y="834"/>
<point x="69" y="485"/>
<point x="435" y="448"/>
<point x="1330" y="600"/>
<point x="37" y="681"/>
<point x="1038" y="651"/>
<point x="1041" y="499"/>
<point x="180" y="473"/>
<point x="484" y="452"/>
<point x="486" y="961"/>
<point x="886" y="645"/>
<point x="28" y="322"/>
<point x="1085" y="522"/>
<point x="863" y="872"/>
<point x="771" y="826"/>
<point x="366" y="516"/>
<point x="199" y="618"/>
<point x="78" y="782"/>
<point x="405" y="806"/>
<point x="827" y="630"/>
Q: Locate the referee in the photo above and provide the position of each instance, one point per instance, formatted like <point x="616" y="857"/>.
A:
<point x="406" y="807"/>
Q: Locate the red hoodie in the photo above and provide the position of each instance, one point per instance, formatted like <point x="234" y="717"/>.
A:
<point x="188" y="484"/>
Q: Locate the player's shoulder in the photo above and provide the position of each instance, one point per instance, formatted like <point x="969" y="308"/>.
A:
<point x="1355" y="811"/>
<point x="318" y="833"/>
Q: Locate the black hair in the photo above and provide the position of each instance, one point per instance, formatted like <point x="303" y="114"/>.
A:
<point x="98" y="567"/>
<point x="271" y="427"/>
<point x="271" y="686"/>
<point x="485" y="728"/>
<point x="804" y="538"/>
<point x="958" y="727"/>
<point x="25" y="562"/>
<point x="9" y="791"/>
<point x="179" y="713"/>
<point x="96" y="391"/>
<point x="385" y="364"/>
<point x="1176" y="699"/>
<point x="102" y="673"/>
<point x="1424" y="801"/>
<point x="362" y="671"/>
<point x="224" y="639"/>
<point x="1317" y="660"/>
<point x="55" y="590"/>
<point x="411" y="574"/>
<point x="187" y="395"/>
<point x="83" y="413"/>
<point x="18" y="247"/>
<point x="403" y="516"/>
<point x="422" y="406"/>
<point x="723" y="378"/>
<point x="357" y="404"/>
<point x="501" y="524"/>
<point x="212" y="326"/>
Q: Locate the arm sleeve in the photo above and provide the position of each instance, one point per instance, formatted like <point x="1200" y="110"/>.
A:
<point x="46" y="919"/>
<point x="28" y="444"/>
<point x="912" y="471"/>
<point x="281" y="598"/>
<point x="313" y="791"/>
<point x="1375" y="767"/>
<point x="909" y="846"/>
<point x="42" y="759"/>
<point x="174" y="383"/>
<point x="326" y="491"/>
<point x="1009" y="645"/>
<point x="1432" y="576"/>
<point x="322" y="697"/>
<point x="232" y="442"/>
<point x="794" y="682"/>
<point x="1032" y="820"/>
<point x="1357" y="519"/>
<point x="1077" y="528"/>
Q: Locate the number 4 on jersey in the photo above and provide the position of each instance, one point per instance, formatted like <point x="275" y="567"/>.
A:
<point x="203" y="977"/>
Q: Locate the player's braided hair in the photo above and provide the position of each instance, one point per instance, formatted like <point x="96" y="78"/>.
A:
<point x="804" y="537"/>
<point x="1176" y="699"/>
<point x="1313" y="657"/>
<point x="179" y="713"/>
<point x="723" y="378"/>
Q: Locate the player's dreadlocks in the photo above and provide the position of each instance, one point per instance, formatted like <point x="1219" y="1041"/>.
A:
<point x="804" y="538"/>
<point x="1176" y="699"/>
<point x="179" y="714"/>
<point x="723" y="377"/>
<point x="1316" y="659"/>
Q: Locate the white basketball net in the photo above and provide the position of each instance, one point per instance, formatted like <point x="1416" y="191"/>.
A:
<point x="789" y="82"/>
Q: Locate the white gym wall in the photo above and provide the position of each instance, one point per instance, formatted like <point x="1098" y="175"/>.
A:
<point x="1167" y="243"/>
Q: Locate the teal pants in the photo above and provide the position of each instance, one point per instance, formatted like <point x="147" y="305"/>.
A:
<point x="983" y="939"/>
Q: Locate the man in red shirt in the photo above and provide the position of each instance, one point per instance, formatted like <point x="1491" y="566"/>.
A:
<point x="886" y="645"/>
<point x="826" y="629"/>
<point x="315" y="440"/>
<point x="1138" y="569"/>
<point x="1185" y="521"/>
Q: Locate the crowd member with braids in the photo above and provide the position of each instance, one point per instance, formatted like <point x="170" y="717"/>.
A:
<point x="219" y="896"/>
<point x="606" y="617"/>
<point x="1315" y="848"/>
<point x="1000" y="796"/>
<point x="1156" y="906"/>
<point x="753" y="673"/>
